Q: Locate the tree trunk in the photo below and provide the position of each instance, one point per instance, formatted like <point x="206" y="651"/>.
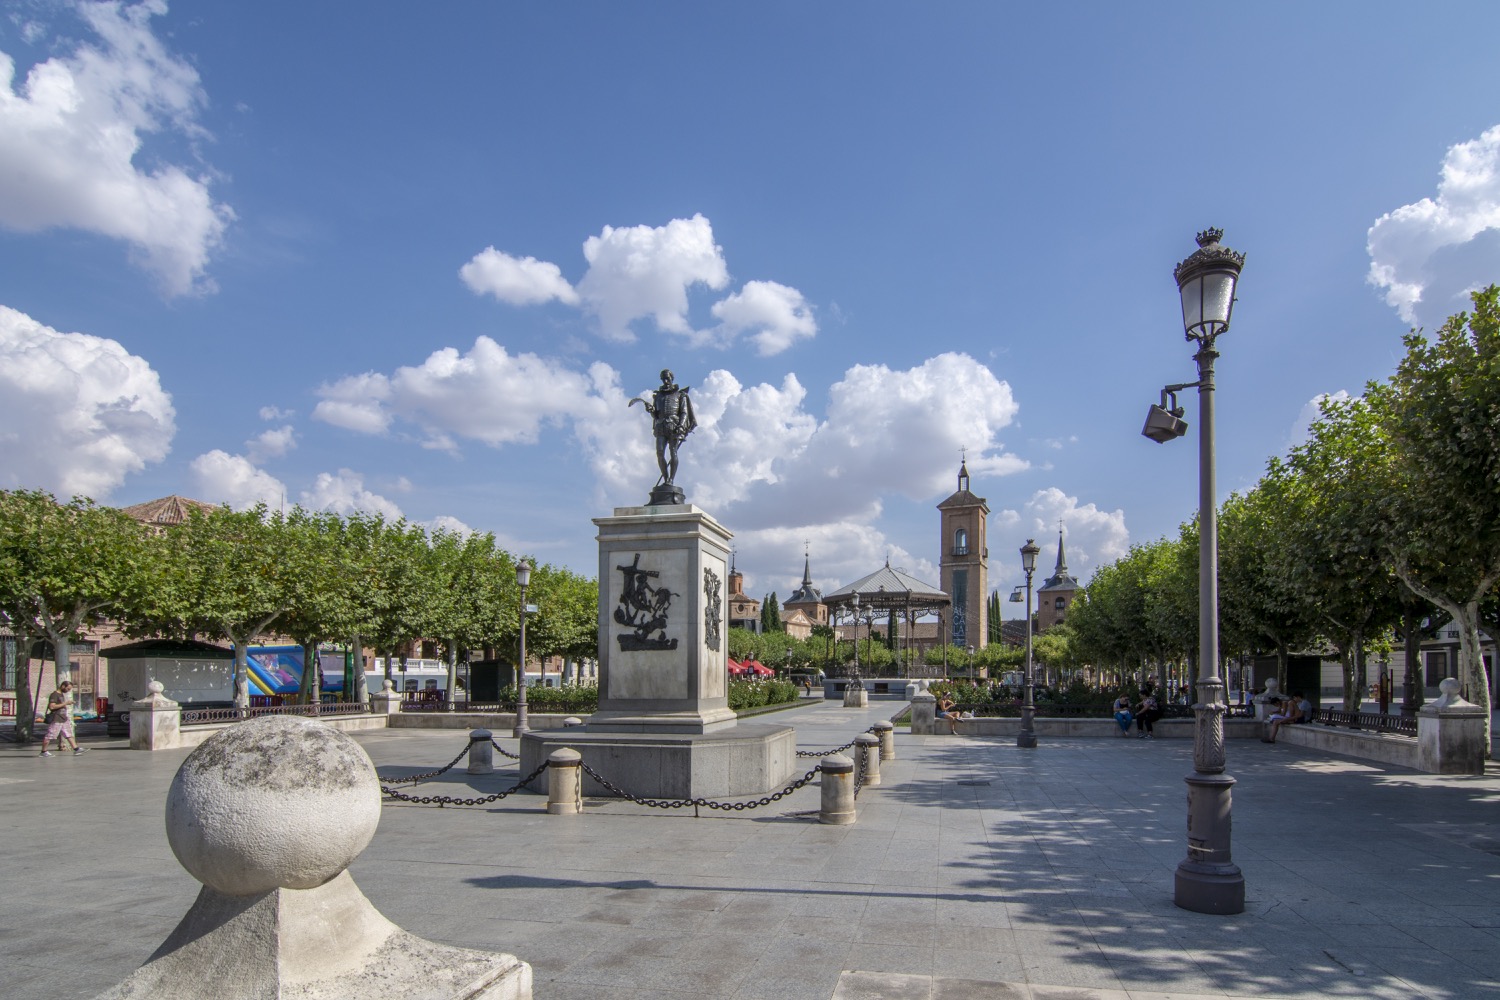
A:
<point x="1346" y="667"/>
<point x="310" y="692"/>
<point x="452" y="671"/>
<point x="241" y="673"/>
<point x="1361" y="671"/>
<point x="25" y="696"/>
<point x="1283" y="660"/>
<point x="1471" y="666"/>
<point x="361" y="691"/>
<point x="1411" y="683"/>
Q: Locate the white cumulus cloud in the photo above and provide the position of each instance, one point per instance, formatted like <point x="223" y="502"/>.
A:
<point x="644" y="271"/>
<point x="485" y="394"/>
<point x="344" y="492"/>
<point x="1429" y="254"/>
<point x="1093" y="537"/>
<point x="219" y="477"/>
<point x="271" y="444"/>
<point x="81" y="412"/>
<point x="356" y="403"/>
<point x="520" y="281"/>
<point x="72" y="135"/>
<point x="774" y="315"/>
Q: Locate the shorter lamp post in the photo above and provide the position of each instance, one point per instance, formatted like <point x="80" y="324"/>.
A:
<point x="1026" y="738"/>
<point x="855" y="613"/>
<point x="523" y="577"/>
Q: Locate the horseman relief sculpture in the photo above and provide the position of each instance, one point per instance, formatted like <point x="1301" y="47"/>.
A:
<point x="643" y="609"/>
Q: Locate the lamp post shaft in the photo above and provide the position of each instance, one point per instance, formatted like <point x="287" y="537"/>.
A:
<point x="1207" y="880"/>
<point x="1026" y="738"/>
<point x="522" y="724"/>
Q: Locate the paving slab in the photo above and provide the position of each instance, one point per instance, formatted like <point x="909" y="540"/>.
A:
<point x="976" y="869"/>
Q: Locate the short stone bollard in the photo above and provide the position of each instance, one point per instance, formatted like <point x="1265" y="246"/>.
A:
<point x="279" y="914"/>
<point x="564" y="783"/>
<point x="386" y="701"/>
<point x="838" y="790"/>
<point x="155" y="721"/>
<point x="886" y="732"/>
<point x="481" y="752"/>
<point x="869" y="745"/>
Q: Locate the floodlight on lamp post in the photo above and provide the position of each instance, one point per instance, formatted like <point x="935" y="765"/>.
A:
<point x="1207" y="880"/>
<point x="523" y="577"/>
<point x="1026" y="738"/>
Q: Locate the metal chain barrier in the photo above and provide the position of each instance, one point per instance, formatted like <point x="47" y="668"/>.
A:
<point x="448" y="800"/>
<point x="504" y="752"/>
<point x="825" y="753"/>
<point x="859" y="771"/>
<point x="414" y="778"/>
<point x="696" y="803"/>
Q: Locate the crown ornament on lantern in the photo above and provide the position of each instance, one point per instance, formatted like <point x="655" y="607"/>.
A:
<point x="1209" y="254"/>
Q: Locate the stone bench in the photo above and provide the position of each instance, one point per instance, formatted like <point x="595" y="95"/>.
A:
<point x="1383" y="747"/>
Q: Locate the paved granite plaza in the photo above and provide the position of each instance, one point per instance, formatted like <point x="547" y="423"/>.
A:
<point x="975" y="870"/>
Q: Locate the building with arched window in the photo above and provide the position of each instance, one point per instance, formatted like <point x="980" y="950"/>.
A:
<point x="964" y="564"/>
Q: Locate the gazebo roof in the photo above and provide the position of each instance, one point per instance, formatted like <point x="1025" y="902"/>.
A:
<point x="889" y="588"/>
<point x="165" y="510"/>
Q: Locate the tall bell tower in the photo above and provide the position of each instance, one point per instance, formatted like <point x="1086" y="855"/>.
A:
<point x="964" y="562"/>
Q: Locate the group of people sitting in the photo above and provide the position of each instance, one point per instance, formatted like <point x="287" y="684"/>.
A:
<point x="1287" y="711"/>
<point x="1144" y="714"/>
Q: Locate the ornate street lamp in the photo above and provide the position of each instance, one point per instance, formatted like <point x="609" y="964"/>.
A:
<point x="1207" y="880"/>
<point x="1026" y="738"/>
<point x="854" y="693"/>
<point x="523" y="577"/>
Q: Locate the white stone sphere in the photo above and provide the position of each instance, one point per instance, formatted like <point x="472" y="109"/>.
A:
<point x="274" y="802"/>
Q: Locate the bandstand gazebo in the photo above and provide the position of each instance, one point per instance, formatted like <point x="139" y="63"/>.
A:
<point x="882" y="592"/>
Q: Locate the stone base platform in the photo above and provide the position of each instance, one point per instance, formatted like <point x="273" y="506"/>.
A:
<point x="751" y="759"/>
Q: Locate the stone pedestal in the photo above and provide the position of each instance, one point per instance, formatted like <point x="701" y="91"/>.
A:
<point x="386" y="701"/>
<point x="663" y="650"/>
<point x="1265" y="702"/>
<point x="924" y="715"/>
<point x="155" y="721"/>
<point x="855" y="695"/>
<point x="1450" y="733"/>
<point x="664" y="728"/>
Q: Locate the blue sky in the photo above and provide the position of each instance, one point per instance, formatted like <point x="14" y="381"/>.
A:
<point x="416" y="258"/>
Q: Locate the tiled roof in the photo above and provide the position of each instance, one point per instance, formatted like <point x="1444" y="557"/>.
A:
<point x="167" y="510"/>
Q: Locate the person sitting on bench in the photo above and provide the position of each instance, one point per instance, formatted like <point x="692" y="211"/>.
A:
<point x="1299" y="709"/>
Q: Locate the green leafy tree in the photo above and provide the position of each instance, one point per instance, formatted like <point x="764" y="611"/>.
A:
<point x="1259" y="608"/>
<point x="1441" y="413"/>
<point x="62" y="566"/>
<point x="230" y="575"/>
<point x="1335" y="487"/>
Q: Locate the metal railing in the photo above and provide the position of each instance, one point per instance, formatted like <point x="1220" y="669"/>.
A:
<point x="440" y="705"/>
<point x="997" y="710"/>
<point x="209" y="716"/>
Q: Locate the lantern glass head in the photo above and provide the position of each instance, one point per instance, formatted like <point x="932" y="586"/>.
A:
<point x="1206" y="282"/>
<point x="1028" y="555"/>
<point x="523" y="573"/>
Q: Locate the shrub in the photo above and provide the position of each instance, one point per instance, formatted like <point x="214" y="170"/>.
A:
<point x="754" y="694"/>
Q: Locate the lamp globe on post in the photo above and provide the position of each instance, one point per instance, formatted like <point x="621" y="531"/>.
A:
<point x="1026" y="738"/>
<point x="523" y="578"/>
<point x="1207" y="880"/>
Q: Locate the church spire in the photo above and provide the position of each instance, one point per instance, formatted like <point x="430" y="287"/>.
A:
<point x="1062" y="559"/>
<point x="963" y="475"/>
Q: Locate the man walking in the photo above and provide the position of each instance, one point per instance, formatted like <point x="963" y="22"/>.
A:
<point x="60" y="719"/>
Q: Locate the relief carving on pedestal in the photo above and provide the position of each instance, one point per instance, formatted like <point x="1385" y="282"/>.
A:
<point x="713" y="611"/>
<point x="643" y="609"/>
